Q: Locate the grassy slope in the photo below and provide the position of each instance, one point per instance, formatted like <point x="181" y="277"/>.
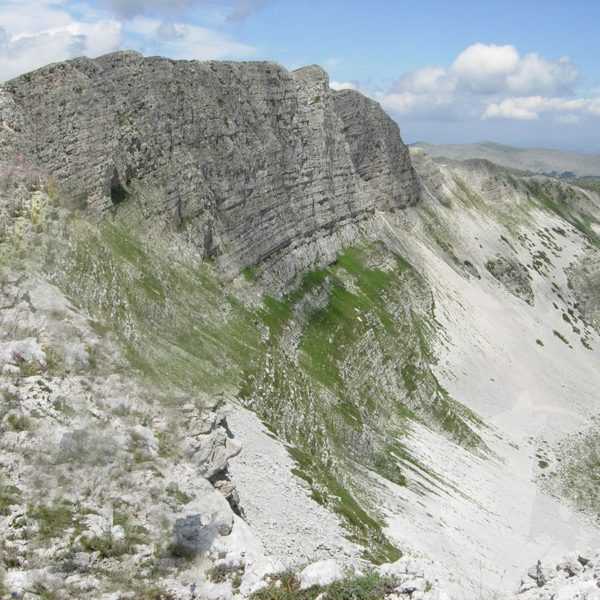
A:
<point x="338" y="369"/>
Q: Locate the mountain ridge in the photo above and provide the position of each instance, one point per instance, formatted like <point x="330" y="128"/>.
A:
<point x="246" y="159"/>
<point x="546" y="161"/>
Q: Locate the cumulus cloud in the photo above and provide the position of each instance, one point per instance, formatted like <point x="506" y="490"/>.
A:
<point x="185" y="41"/>
<point x="233" y="13"/>
<point x="132" y="8"/>
<point x="37" y="33"/>
<point x="407" y="103"/>
<point x="489" y="81"/>
<point x="342" y="85"/>
<point x="244" y="9"/>
<point x="428" y="80"/>
<point x="194" y="42"/>
<point x="490" y="69"/>
<point x="533" y="107"/>
<point x="535" y="74"/>
<point x="483" y="69"/>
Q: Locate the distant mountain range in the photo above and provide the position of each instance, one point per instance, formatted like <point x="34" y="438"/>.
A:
<point x="553" y="162"/>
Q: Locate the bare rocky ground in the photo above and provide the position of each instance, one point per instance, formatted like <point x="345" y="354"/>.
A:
<point x="575" y="577"/>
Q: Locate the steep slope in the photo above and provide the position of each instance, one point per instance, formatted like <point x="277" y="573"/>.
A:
<point x="400" y="380"/>
<point x="526" y="363"/>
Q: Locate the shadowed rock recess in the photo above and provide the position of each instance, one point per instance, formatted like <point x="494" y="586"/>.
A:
<point x="256" y="161"/>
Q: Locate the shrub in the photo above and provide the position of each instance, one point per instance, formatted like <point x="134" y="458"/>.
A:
<point x="370" y="586"/>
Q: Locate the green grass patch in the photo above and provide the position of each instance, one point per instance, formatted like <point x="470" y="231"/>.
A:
<point x="10" y="496"/>
<point x="370" y="586"/>
<point x="52" y="520"/>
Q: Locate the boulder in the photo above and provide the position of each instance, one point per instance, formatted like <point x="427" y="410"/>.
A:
<point x="323" y="572"/>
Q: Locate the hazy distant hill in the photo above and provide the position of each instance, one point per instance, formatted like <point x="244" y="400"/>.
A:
<point x="557" y="163"/>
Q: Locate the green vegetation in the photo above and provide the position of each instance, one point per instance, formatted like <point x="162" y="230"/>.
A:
<point x="369" y="586"/>
<point x="587" y="183"/>
<point x="52" y="519"/>
<point x="9" y="496"/>
<point x="170" y="312"/>
<point x="466" y="196"/>
<point x="561" y="337"/>
<point x="322" y="397"/>
<point x="577" y="478"/>
<point x="567" y="206"/>
<point x="305" y="362"/>
<point x="512" y="275"/>
<point x="18" y="422"/>
<point x="104" y="545"/>
<point x="179" y="496"/>
<point x="220" y="573"/>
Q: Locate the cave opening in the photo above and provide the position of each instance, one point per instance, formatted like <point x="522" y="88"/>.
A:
<point x="117" y="192"/>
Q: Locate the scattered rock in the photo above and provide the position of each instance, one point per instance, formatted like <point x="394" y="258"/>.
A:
<point x="323" y="572"/>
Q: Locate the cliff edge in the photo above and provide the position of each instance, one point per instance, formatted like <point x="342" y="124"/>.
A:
<point x="251" y="161"/>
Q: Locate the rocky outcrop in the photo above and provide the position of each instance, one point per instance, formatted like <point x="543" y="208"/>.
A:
<point x="575" y="576"/>
<point x="512" y="275"/>
<point x="249" y="160"/>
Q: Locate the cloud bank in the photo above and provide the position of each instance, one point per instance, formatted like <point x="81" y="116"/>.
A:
<point x="489" y="81"/>
<point x="34" y="33"/>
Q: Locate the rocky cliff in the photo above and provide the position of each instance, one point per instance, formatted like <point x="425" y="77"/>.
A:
<point x="252" y="161"/>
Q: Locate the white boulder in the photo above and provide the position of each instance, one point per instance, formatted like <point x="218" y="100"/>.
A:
<point x="323" y="572"/>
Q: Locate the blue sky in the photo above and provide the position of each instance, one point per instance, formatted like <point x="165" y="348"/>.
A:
<point x="525" y="73"/>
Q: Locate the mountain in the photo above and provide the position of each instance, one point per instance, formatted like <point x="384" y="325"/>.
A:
<point x="244" y="329"/>
<point x="255" y="161"/>
<point x="544" y="161"/>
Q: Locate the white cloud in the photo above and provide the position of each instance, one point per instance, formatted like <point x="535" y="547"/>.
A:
<point x="234" y="12"/>
<point x="132" y="8"/>
<point x="490" y="69"/>
<point x="244" y="9"/>
<point x="409" y="103"/>
<point x="568" y="119"/>
<point x="483" y="68"/>
<point x="30" y="16"/>
<point x="535" y="74"/>
<point x="442" y="106"/>
<point x="194" y="42"/>
<point x="491" y="81"/>
<point x="34" y="33"/>
<point x="428" y="80"/>
<point x="535" y="107"/>
<point x="342" y="85"/>
<point x="24" y="51"/>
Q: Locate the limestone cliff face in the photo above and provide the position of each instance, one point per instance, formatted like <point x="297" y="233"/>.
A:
<point x="249" y="159"/>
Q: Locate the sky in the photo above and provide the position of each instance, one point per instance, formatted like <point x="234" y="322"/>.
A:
<point x="522" y="72"/>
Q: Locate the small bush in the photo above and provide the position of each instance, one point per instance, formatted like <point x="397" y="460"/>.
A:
<point x="105" y="546"/>
<point x="52" y="520"/>
<point x="370" y="586"/>
<point x="18" y="422"/>
<point x="179" y="496"/>
<point x="220" y="573"/>
<point x="9" y="496"/>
